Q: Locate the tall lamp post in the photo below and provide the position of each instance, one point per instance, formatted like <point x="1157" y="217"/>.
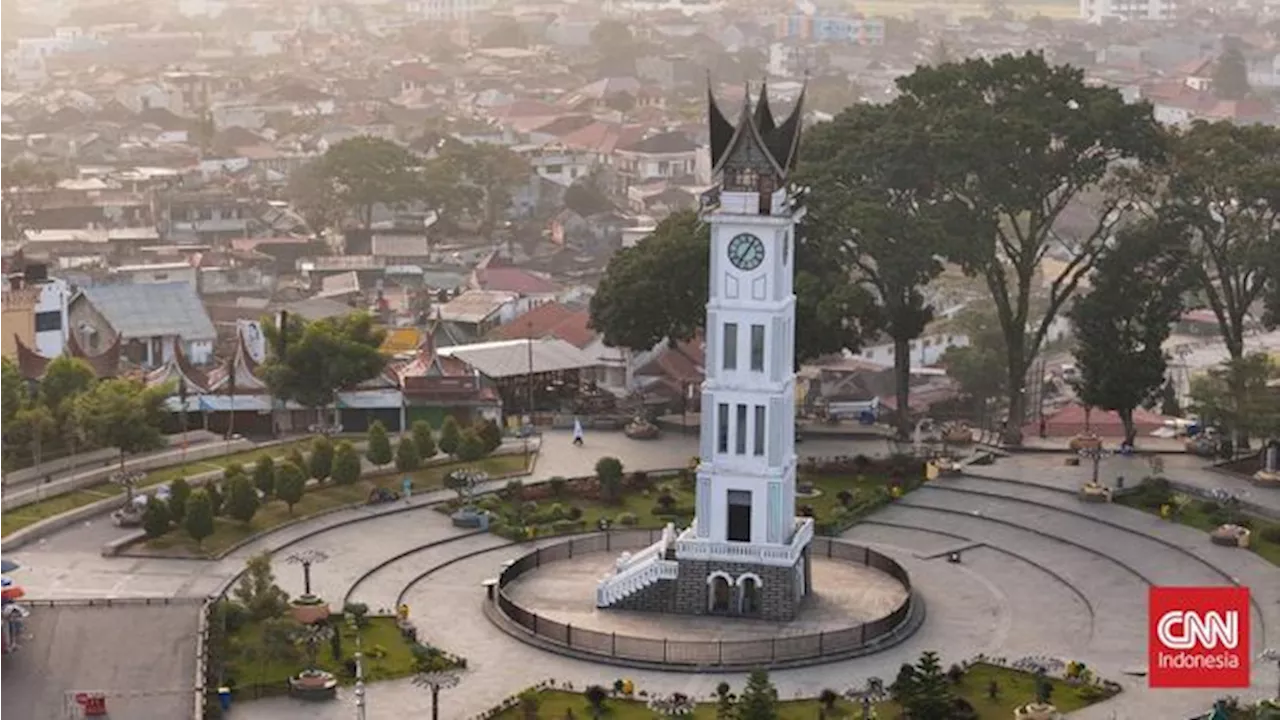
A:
<point x="307" y="558"/>
<point x="435" y="681"/>
<point x="359" y="658"/>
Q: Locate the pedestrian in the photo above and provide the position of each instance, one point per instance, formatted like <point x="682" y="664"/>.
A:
<point x="577" y="432"/>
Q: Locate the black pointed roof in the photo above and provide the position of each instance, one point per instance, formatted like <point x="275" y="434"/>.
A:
<point x="780" y="141"/>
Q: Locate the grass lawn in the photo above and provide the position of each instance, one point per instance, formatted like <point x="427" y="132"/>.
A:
<point x="642" y="503"/>
<point x="387" y="655"/>
<point x="28" y="515"/>
<point x="228" y="532"/>
<point x="1263" y="539"/>
<point x="1016" y="688"/>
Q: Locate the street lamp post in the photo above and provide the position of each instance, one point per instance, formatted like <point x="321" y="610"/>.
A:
<point x="307" y="558"/>
<point x="1095" y="454"/>
<point x="436" y="681"/>
<point x="359" y="658"/>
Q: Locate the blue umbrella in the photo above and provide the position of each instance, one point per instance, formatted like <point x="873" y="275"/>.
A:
<point x="8" y="566"/>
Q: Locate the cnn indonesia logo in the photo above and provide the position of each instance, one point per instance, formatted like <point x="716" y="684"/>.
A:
<point x="1199" y="637"/>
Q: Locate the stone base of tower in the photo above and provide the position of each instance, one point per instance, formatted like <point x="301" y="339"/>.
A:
<point x="727" y="589"/>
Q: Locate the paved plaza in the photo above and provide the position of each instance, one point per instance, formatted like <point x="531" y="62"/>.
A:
<point x="1041" y="574"/>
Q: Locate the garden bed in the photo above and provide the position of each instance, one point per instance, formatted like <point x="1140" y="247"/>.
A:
<point x="561" y="506"/>
<point x="319" y="498"/>
<point x="1205" y="515"/>
<point x="1016" y="688"/>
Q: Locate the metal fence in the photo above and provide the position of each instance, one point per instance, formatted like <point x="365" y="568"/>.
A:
<point x="702" y="653"/>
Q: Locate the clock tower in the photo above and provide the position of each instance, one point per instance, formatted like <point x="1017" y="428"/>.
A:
<point x="746" y="552"/>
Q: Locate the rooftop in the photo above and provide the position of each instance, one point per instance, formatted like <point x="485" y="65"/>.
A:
<point x="513" y="358"/>
<point x="474" y="306"/>
<point x="144" y="311"/>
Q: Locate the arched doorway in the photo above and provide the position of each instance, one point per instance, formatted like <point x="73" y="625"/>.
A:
<point x="748" y="595"/>
<point x="718" y="594"/>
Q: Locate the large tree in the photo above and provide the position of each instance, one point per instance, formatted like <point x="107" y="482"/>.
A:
<point x="979" y="367"/>
<point x="322" y="357"/>
<point x="1122" y="323"/>
<point x="314" y="194"/>
<point x="1235" y="397"/>
<point x="872" y="201"/>
<point x="1222" y="181"/>
<point x="1231" y="72"/>
<point x="494" y="170"/>
<point x="122" y="413"/>
<point x="1018" y="142"/>
<point x="658" y="290"/>
<point x="362" y="172"/>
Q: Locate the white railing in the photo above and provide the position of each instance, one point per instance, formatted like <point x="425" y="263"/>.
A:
<point x="690" y="547"/>
<point x="636" y="577"/>
<point x="633" y="572"/>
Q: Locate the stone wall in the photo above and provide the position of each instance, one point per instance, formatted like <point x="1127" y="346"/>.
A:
<point x="778" y="599"/>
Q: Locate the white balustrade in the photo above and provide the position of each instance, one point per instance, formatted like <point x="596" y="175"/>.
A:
<point x="690" y="547"/>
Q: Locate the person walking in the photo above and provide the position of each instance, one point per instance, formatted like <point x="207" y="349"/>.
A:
<point x="577" y="432"/>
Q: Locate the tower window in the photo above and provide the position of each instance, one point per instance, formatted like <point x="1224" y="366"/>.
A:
<point x="739" y="529"/>
<point x="758" y="448"/>
<point x="730" y="346"/>
<point x="722" y="429"/>
<point x="740" y="439"/>
<point x="757" y="348"/>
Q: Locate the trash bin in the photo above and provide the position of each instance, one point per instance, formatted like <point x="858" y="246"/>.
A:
<point x="224" y="697"/>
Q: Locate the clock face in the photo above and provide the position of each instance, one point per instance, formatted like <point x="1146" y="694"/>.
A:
<point x="746" y="251"/>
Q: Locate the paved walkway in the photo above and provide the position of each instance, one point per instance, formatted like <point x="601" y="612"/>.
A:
<point x="1052" y="576"/>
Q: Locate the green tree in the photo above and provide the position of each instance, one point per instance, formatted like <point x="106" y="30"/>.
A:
<point x="423" y="439"/>
<point x="495" y="170"/>
<point x="34" y="429"/>
<point x="1019" y="141"/>
<point x="759" y="699"/>
<point x="450" y="436"/>
<point x="216" y="495"/>
<point x="242" y="501"/>
<point x="257" y="590"/>
<point x="155" y="518"/>
<point x="346" y="463"/>
<point x="122" y="413"/>
<point x="313" y="192"/>
<point x="725" y="703"/>
<point x="490" y="435"/>
<point x="199" y="517"/>
<point x="924" y="691"/>
<point x="64" y="379"/>
<point x="179" y="496"/>
<point x="872" y="198"/>
<point x="979" y="367"/>
<point x="615" y="48"/>
<point x="321" y="463"/>
<point x="609" y="473"/>
<point x="1235" y="398"/>
<point x="366" y="171"/>
<point x="407" y="459"/>
<point x="470" y="446"/>
<point x="1231" y="73"/>
<point x="596" y="696"/>
<point x="658" y="290"/>
<point x="379" y="452"/>
<point x="1222" y="182"/>
<point x="322" y="358"/>
<point x="1121" y="325"/>
<point x="13" y="388"/>
<point x="296" y="457"/>
<point x="264" y="475"/>
<point x="290" y="484"/>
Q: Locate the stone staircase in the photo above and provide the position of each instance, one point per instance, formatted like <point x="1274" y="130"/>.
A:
<point x="633" y="573"/>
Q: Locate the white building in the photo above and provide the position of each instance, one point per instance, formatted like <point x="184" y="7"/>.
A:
<point x="448" y="10"/>
<point x="51" y="316"/>
<point x="1097" y="10"/>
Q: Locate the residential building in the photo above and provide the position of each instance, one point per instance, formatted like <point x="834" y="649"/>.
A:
<point x="1098" y="10"/>
<point x="448" y="10"/>
<point x="668" y="155"/>
<point x="148" y="319"/>
<point x="18" y="311"/>
<point x="809" y="22"/>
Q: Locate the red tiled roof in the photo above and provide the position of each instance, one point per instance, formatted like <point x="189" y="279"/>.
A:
<point x="1070" y="421"/>
<point x="524" y="109"/>
<point x="515" y="280"/>
<point x="603" y="137"/>
<point x="549" y="320"/>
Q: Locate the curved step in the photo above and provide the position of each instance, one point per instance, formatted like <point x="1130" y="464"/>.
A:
<point x="1106" y="583"/>
<point x="381" y="586"/>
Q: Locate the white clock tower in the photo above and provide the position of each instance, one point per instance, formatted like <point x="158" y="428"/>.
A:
<point x="746" y="552"/>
